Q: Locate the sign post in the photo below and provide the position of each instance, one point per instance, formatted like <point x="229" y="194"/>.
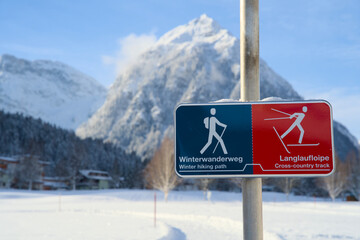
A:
<point x="253" y="139"/>
<point x="250" y="91"/>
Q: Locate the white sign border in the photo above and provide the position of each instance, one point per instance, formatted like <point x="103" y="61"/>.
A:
<point x="233" y="102"/>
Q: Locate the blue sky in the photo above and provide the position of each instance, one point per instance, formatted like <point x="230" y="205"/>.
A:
<point x="315" y="45"/>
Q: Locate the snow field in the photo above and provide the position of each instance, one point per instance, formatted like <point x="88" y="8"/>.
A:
<point x="129" y="214"/>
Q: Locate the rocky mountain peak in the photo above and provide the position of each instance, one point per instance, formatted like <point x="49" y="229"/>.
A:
<point x="202" y="29"/>
<point x="197" y="62"/>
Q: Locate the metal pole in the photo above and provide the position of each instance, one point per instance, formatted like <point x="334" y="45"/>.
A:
<point x="60" y="201"/>
<point x="249" y="50"/>
<point x="155" y="209"/>
<point x="250" y="91"/>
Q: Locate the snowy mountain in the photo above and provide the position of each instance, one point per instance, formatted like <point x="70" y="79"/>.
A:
<point x="197" y="62"/>
<point x="48" y="90"/>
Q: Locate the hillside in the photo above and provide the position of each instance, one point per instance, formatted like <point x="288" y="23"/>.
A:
<point x="49" y="90"/>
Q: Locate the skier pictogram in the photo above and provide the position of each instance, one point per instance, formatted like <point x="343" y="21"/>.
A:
<point x="298" y="119"/>
<point x="299" y="116"/>
<point x="210" y="123"/>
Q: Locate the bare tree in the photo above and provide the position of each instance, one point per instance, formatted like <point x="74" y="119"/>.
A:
<point x="237" y="181"/>
<point x="160" y="171"/>
<point x="29" y="170"/>
<point x="286" y="184"/>
<point x="75" y="163"/>
<point x="204" y="184"/>
<point x="116" y="173"/>
<point x="10" y="174"/>
<point x="353" y="168"/>
<point x="336" y="182"/>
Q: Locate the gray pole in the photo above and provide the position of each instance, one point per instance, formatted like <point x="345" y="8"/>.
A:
<point x="249" y="50"/>
<point x="250" y="91"/>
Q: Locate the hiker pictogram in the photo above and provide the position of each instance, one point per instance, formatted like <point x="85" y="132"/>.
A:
<point x="299" y="117"/>
<point x="210" y="123"/>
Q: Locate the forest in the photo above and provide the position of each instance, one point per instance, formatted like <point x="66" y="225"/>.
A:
<point x="64" y="151"/>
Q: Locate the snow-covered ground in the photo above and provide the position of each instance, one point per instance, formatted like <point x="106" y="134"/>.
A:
<point x="129" y="214"/>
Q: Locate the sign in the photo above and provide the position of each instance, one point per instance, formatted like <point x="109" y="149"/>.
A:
<point x="254" y="139"/>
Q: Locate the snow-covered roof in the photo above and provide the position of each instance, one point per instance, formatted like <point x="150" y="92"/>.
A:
<point x="55" y="179"/>
<point x="9" y="159"/>
<point x="55" y="184"/>
<point x="44" y="162"/>
<point x="96" y="174"/>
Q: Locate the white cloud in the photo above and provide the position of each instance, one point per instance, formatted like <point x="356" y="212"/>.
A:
<point x="108" y="60"/>
<point x="129" y="49"/>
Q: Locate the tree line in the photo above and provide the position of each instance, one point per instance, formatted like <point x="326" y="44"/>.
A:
<point x="160" y="174"/>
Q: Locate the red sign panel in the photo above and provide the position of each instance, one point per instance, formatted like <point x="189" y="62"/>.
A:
<point x="292" y="138"/>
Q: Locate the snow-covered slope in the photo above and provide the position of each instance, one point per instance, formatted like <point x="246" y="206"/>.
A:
<point x="198" y="62"/>
<point x="49" y="90"/>
<point x="129" y="214"/>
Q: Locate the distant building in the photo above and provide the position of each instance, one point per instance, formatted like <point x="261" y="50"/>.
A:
<point x="15" y="172"/>
<point x="55" y="183"/>
<point x="7" y="171"/>
<point x="93" y="179"/>
<point x="11" y="168"/>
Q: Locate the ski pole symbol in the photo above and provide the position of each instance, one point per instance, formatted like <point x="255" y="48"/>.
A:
<point x="219" y="141"/>
<point x="281" y="140"/>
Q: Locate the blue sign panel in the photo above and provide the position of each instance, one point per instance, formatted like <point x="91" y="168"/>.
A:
<point x="211" y="140"/>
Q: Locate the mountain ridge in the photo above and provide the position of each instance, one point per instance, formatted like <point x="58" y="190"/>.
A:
<point x="50" y="90"/>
